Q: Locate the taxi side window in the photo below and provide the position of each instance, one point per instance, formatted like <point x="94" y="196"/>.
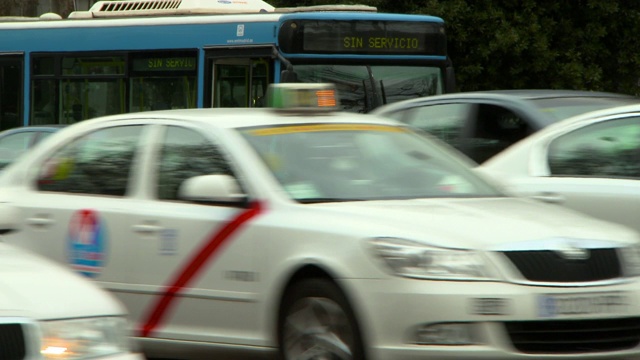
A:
<point x="186" y="153"/>
<point x="14" y="145"/>
<point x="606" y="149"/>
<point x="98" y="163"/>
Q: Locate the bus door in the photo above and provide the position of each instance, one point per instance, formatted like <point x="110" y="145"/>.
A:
<point x="11" y="91"/>
<point x="234" y="80"/>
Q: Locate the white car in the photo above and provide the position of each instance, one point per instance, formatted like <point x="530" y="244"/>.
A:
<point x="48" y="312"/>
<point x="313" y="234"/>
<point x="590" y="163"/>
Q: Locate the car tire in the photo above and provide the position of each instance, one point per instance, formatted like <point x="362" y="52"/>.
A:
<point x="316" y="322"/>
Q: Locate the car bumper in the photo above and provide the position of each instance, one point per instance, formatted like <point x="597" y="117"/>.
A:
<point x="392" y="312"/>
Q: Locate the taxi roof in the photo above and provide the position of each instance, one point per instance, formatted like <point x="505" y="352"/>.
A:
<point x="248" y="117"/>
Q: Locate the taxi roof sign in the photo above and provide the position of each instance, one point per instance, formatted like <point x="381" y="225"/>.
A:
<point x="303" y="97"/>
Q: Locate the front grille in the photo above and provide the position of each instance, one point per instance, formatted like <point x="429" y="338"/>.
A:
<point x="574" y="336"/>
<point x="549" y="266"/>
<point x="12" y="342"/>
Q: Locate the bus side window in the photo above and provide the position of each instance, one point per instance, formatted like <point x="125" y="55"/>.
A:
<point x="43" y="102"/>
<point x="11" y="96"/>
<point x="163" y="80"/>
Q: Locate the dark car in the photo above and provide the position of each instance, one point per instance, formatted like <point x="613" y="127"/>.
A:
<point x="483" y="123"/>
<point x="14" y="142"/>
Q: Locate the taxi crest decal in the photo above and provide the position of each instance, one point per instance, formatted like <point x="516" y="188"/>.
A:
<point x="86" y="243"/>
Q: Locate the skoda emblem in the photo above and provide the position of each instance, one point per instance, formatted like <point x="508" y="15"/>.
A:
<point x="571" y="250"/>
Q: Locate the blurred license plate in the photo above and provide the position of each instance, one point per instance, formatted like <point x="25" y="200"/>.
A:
<point x="551" y="305"/>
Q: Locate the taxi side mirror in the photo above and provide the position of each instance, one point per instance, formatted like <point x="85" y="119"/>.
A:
<point x="220" y="189"/>
<point x="9" y="218"/>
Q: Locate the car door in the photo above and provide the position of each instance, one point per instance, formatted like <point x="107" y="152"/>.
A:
<point x="594" y="169"/>
<point x="107" y="206"/>
<point x="196" y="275"/>
<point x="75" y="200"/>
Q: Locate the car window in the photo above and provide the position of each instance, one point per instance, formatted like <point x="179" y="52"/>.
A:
<point x="14" y="145"/>
<point x="186" y="153"/>
<point x="607" y="149"/>
<point x="444" y="121"/>
<point x="495" y="129"/>
<point x="565" y="107"/>
<point x="43" y="135"/>
<point x="98" y="163"/>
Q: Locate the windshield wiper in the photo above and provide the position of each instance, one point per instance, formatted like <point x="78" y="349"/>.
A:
<point x="383" y="93"/>
<point x="366" y="96"/>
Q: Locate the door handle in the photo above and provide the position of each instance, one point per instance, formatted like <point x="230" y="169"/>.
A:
<point x="40" y="221"/>
<point x="146" y="228"/>
<point x="549" y="197"/>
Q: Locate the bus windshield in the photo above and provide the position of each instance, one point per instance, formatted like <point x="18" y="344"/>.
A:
<point x="363" y="87"/>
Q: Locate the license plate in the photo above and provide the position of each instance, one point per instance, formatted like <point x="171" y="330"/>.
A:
<point x="552" y="305"/>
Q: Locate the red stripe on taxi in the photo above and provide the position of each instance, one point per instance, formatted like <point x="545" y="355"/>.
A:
<point x="192" y="267"/>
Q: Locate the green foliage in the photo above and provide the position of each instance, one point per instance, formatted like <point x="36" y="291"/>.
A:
<point x="579" y="44"/>
<point x="9" y="7"/>
<point x="506" y="44"/>
<point x="30" y="7"/>
<point x="293" y="3"/>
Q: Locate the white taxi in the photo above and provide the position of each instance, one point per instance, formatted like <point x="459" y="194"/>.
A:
<point x="312" y="234"/>
<point x="48" y="312"/>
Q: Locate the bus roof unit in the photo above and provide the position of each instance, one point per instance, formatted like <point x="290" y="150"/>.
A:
<point x="171" y="7"/>
<point x="126" y="8"/>
<point x="337" y="7"/>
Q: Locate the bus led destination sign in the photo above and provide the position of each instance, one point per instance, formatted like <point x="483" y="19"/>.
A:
<point x="165" y="64"/>
<point x="398" y="43"/>
<point x="362" y="37"/>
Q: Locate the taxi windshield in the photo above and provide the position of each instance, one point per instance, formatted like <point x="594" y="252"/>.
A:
<point x="355" y="162"/>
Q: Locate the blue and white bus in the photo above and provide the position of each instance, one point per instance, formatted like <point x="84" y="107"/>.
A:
<point x="126" y="56"/>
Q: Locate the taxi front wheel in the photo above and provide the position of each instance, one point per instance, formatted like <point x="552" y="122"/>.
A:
<point x="316" y="322"/>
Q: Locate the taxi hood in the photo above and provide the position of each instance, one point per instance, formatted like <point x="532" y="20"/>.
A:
<point x="34" y="287"/>
<point x="478" y="223"/>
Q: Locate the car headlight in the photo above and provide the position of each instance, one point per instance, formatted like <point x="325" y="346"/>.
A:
<point x="84" y="338"/>
<point x="631" y="260"/>
<point x="417" y="260"/>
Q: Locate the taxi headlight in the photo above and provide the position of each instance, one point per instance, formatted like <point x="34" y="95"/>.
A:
<point x="84" y="338"/>
<point x="417" y="260"/>
<point x="631" y="260"/>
